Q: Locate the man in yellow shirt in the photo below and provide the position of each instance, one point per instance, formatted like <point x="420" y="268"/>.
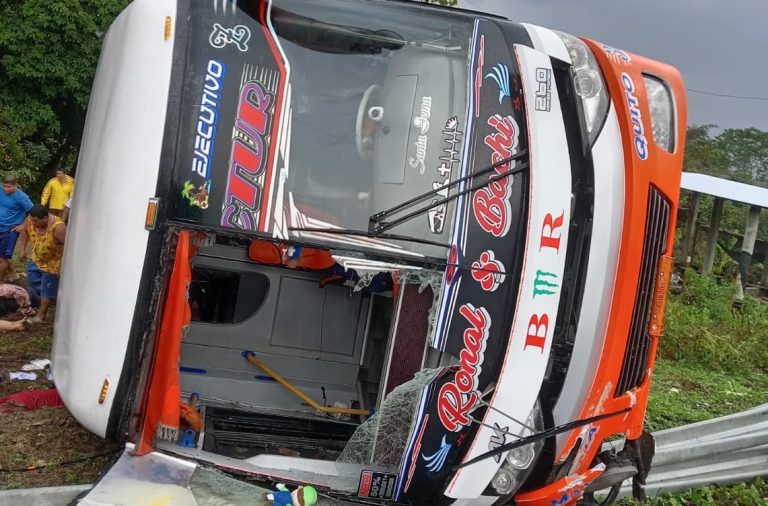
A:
<point x="47" y="233"/>
<point x="57" y="192"/>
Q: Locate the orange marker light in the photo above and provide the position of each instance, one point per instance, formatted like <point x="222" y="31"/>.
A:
<point x="167" y="27"/>
<point x="660" y="293"/>
<point x="104" y="391"/>
<point x="151" y="219"/>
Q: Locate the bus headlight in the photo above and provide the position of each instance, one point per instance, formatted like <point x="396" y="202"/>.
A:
<point x="662" y="120"/>
<point x="588" y="83"/>
<point x="505" y="481"/>
<point x="520" y="461"/>
<point x="521" y="458"/>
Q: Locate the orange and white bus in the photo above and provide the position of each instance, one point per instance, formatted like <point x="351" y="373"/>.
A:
<point x="400" y="253"/>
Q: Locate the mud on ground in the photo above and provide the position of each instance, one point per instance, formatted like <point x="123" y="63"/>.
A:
<point x="47" y="447"/>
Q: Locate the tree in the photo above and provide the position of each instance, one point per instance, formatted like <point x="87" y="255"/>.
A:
<point x="702" y="153"/>
<point x="739" y="154"/>
<point x="736" y="154"/>
<point x="746" y="152"/>
<point x="48" y="55"/>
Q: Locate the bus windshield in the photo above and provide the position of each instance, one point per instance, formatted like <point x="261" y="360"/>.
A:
<point x="367" y="108"/>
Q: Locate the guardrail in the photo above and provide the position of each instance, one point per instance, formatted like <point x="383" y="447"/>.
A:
<point x="721" y="451"/>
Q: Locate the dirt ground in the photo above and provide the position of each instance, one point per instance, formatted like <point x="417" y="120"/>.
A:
<point x="47" y="447"/>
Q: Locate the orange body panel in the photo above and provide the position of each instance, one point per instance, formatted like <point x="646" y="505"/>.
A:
<point x="662" y="170"/>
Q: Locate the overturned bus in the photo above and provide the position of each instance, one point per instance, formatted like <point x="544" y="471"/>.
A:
<point x="401" y="253"/>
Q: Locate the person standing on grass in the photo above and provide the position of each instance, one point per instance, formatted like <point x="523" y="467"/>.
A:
<point x="57" y="192"/>
<point x="14" y="206"/>
<point x="47" y="233"/>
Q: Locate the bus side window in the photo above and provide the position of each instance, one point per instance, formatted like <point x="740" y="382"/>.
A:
<point x="219" y="296"/>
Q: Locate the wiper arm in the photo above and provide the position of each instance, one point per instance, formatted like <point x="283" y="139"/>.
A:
<point x="539" y="435"/>
<point x="377" y="225"/>
<point x="365" y="233"/>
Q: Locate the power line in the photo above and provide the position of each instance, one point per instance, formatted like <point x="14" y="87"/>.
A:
<point x="725" y="95"/>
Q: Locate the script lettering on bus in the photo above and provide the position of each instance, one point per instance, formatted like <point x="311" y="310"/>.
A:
<point x="488" y="271"/>
<point x="246" y="163"/>
<point x="490" y="204"/>
<point x="458" y="397"/>
<point x="421" y="122"/>
<point x="640" y="142"/>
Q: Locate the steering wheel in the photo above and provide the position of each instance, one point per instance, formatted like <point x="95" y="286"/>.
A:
<point x="364" y="142"/>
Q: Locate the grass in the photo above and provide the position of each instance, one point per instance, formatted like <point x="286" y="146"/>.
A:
<point x="45" y="447"/>
<point x="753" y="493"/>
<point x="702" y="328"/>
<point x="712" y="360"/>
<point x="684" y="392"/>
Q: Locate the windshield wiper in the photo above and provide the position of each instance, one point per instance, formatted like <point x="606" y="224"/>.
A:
<point x="539" y="435"/>
<point x="377" y="225"/>
<point x="365" y="233"/>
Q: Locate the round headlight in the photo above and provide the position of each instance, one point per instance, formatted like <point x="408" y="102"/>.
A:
<point x="588" y="83"/>
<point x="521" y="458"/>
<point x="504" y="482"/>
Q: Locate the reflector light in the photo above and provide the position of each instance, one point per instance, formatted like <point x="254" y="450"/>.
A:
<point x="660" y="293"/>
<point x="104" y="391"/>
<point x="167" y="27"/>
<point x="151" y="219"/>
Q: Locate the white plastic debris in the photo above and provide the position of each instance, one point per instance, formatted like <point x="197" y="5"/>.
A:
<point x="29" y="376"/>
<point x="36" y="365"/>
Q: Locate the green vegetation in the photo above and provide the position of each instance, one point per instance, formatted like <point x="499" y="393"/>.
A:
<point x="702" y="328"/>
<point x="48" y="55"/>
<point x="683" y="393"/>
<point x="743" y="494"/>
<point x="712" y="360"/>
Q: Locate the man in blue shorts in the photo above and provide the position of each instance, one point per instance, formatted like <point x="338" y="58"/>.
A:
<point x="46" y="232"/>
<point x="14" y="206"/>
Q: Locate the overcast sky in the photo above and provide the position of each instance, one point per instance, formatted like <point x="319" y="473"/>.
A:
<point x="719" y="46"/>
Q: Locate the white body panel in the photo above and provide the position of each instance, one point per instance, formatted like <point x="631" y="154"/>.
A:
<point x="525" y="363"/>
<point x="547" y="41"/>
<point x="106" y="244"/>
<point x="607" y="226"/>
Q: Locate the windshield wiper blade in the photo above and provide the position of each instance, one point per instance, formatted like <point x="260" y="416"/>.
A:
<point x="365" y="233"/>
<point x="539" y="435"/>
<point x="377" y="225"/>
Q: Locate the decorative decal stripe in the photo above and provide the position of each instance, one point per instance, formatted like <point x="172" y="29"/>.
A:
<point x="459" y="232"/>
<point x="272" y="197"/>
<point x="411" y="454"/>
<point x="530" y="339"/>
<point x="280" y="210"/>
